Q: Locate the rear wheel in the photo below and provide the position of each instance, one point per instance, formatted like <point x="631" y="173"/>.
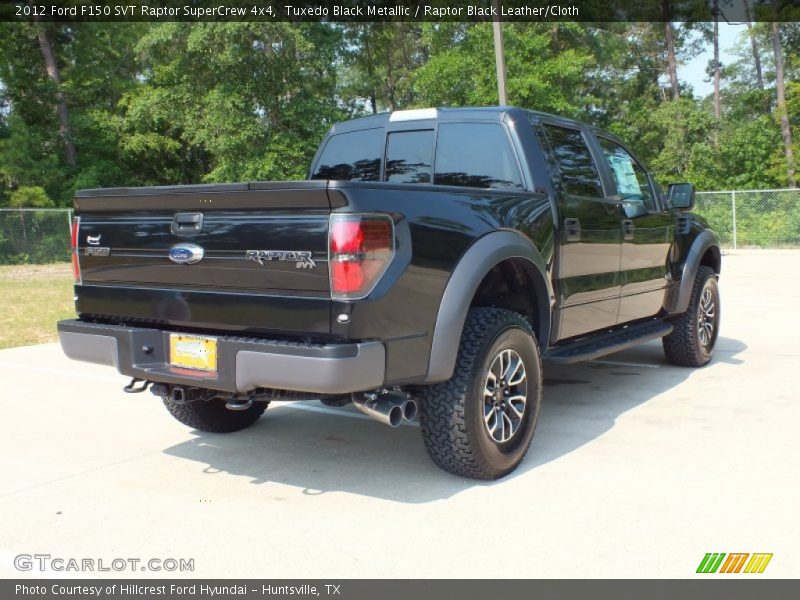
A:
<point x="694" y="333"/>
<point x="212" y="416"/>
<point x="480" y="423"/>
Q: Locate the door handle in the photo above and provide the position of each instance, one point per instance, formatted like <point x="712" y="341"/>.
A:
<point x="628" y="229"/>
<point x="187" y="223"/>
<point x="572" y="229"/>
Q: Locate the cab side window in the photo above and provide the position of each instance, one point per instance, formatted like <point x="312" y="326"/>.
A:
<point x="409" y="155"/>
<point x="577" y="169"/>
<point x="631" y="179"/>
<point x="475" y="155"/>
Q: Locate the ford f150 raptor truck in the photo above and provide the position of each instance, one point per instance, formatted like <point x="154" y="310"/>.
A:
<point x="431" y="262"/>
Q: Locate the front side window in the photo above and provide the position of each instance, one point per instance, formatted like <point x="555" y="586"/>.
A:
<point x="579" y="174"/>
<point x="475" y="155"/>
<point x="352" y="156"/>
<point x="631" y="179"/>
<point x="409" y="156"/>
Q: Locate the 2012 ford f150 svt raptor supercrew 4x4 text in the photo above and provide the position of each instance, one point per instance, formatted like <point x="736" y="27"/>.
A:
<point x="432" y="261"/>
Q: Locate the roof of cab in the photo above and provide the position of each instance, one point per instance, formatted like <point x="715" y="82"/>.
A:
<point x="440" y="114"/>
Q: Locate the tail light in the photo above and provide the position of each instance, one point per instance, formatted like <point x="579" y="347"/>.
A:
<point x="76" y="265"/>
<point x="361" y="248"/>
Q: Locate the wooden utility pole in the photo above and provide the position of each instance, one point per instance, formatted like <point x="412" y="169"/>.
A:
<point x="499" y="57"/>
<point x="717" y="99"/>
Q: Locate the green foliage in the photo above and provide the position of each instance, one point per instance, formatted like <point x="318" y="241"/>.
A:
<point x="33" y="236"/>
<point x="545" y="63"/>
<point x="25" y="158"/>
<point x="378" y="62"/>
<point x="29" y="197"/>
<point x="229" y="101"/>
<point x="169" y="103"/>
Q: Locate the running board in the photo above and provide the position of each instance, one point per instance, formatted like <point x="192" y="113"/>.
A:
<point x="607" y="343"/>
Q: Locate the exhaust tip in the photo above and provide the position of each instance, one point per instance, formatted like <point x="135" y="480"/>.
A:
<point x="395" y="416"/>
<point x="387" y="409"/>
<point x="239" y="404"/>
<point x="409" y="410"/>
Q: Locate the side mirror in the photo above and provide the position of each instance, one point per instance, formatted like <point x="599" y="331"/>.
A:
<point x="681" y="196"/>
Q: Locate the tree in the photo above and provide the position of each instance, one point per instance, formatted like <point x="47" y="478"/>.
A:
<point x="672" y="63"/>
<point x="95" y="65"/>
<point x="29" y="197"/>
<point x="754" y="46"/>
<point x="229" y="101"/>
<point x="31" y="151"/>
<point x="378" y="61"/>
<point x="546" y="66"/>
<point x="170" y="103"/>
<point x="44" y="36"/>
<point x="782" y="110"/>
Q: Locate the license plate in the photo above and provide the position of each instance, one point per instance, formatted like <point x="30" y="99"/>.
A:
<point x="193" y="352"/>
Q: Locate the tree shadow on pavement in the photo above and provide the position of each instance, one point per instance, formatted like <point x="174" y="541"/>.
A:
<point x="323" y="453"/>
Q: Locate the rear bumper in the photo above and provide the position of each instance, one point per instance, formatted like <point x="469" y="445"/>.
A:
<point x="243" y="363"/>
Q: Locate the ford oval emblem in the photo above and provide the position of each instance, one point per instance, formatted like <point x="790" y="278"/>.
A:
<point x="186" y="254"/>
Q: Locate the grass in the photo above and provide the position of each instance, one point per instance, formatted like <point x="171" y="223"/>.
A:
<point x="32" y="299"/>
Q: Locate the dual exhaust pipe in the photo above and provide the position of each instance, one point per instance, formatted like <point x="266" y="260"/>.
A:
<point x="389" y="409"/>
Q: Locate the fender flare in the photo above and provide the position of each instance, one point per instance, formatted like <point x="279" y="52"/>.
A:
<point x="476" y="262"/>
<point x="705" y="240"/>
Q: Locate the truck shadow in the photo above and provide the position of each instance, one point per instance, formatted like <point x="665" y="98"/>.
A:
<point x="323" y="453"/>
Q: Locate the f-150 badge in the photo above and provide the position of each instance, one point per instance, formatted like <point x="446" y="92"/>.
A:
<point x="302" y="258"/>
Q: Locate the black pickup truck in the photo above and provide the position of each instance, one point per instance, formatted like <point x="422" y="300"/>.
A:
<point x="431" y="262"/>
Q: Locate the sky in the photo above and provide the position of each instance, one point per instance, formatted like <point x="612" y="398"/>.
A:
<point x="694" y="71"/>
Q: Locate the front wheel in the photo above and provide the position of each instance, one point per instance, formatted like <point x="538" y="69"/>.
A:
<point x="480" y="423"/>
<point x="694" y="333"/>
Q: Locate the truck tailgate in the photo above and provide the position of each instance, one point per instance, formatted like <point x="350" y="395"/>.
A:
<point x="198" y="246"/>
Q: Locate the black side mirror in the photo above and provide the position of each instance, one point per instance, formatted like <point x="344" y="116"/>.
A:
<point x="681" y="196"/>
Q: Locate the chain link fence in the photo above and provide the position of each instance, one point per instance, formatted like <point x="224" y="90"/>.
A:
<point x="740" y="218"/>
<point x="34" y="235"/>
<point x="753" y="218"/>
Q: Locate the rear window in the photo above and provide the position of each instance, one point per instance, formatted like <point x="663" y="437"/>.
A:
<point x="353" y="156"/>
<point x="475" y="155"/>
<point x="467" y="154"/>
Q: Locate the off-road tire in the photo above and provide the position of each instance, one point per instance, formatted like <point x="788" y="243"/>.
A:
<point x="683" y="346"/>
<point x="451" y="414"/>
<point x="212" y="416"/>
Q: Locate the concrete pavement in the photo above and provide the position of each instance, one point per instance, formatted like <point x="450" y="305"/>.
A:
<point x="637" y="469"/>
